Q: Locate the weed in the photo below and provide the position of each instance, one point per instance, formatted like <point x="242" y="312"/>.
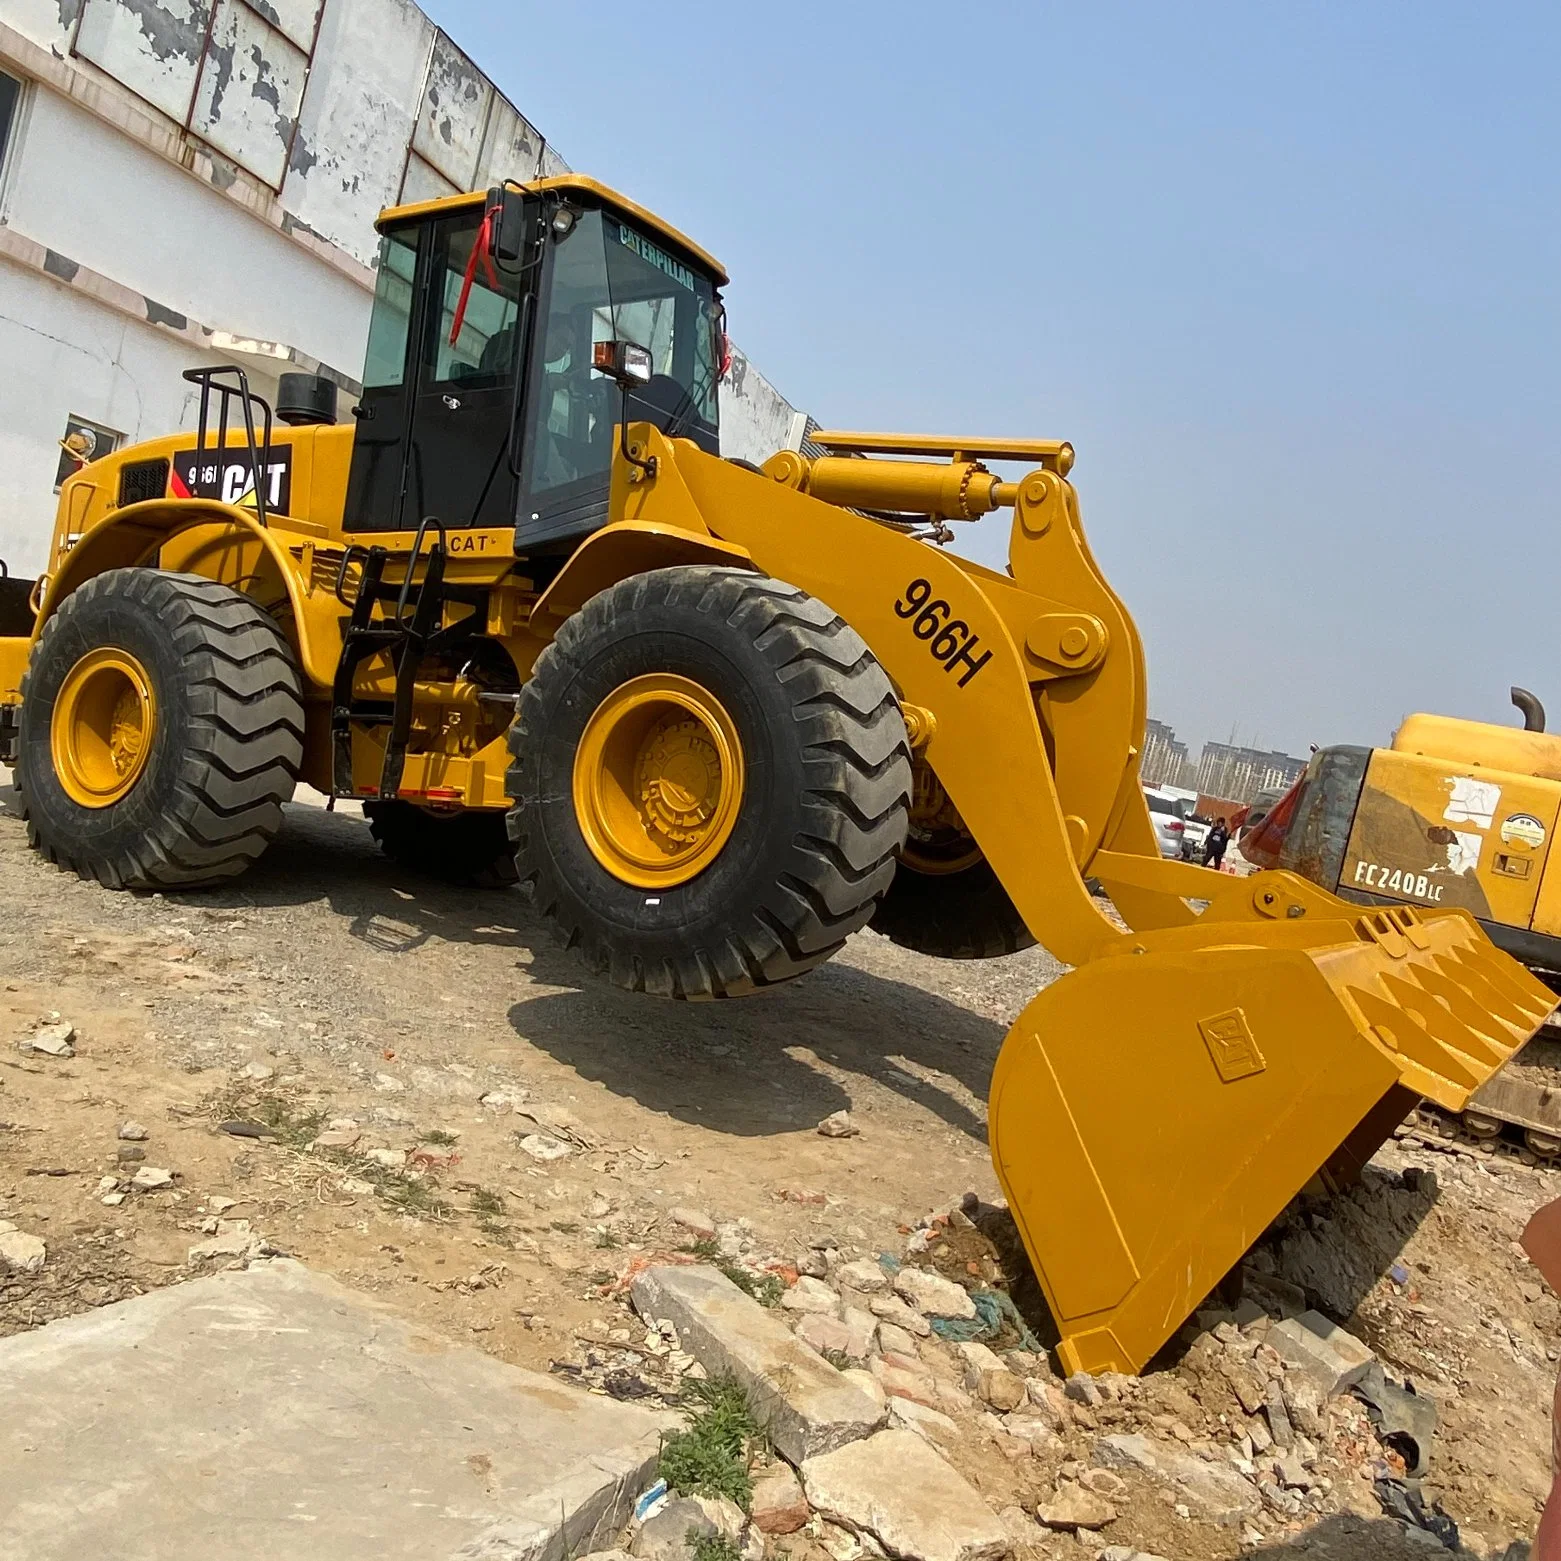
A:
<point x="712" y="1456"/>
<point x="437" y="1135"/>
<point x="704" y="1248"/>
<point x="605" y="1240"/>
<point x="297" y="1130"/>
<point x="766" y="1289"/>
<point x="712" y="1547"/>
<point x="566" y="1227"/>
<point x="486" y="1203"/>
<point x="838" y="1359"/>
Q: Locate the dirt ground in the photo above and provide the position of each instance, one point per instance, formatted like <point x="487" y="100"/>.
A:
<point x="505" y="1141"/>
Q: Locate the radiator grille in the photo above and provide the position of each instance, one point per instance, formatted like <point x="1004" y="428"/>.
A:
<point x="142" y="480"/>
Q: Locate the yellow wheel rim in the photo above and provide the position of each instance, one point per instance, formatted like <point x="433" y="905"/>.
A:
<point x="105" y="717"/>
<point x="937" y="842"/>
<point x="658" y="781"/>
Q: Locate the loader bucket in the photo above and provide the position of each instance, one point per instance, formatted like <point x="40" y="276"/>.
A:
<point x="1152" y="1112"/>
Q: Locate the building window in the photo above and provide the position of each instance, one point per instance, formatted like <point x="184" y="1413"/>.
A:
<point x="10" y="95"/>
<point x="84" y="442"/>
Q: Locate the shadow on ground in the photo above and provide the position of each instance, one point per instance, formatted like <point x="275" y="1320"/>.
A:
<point x="767" y="1064"/>
<point x="1349" y="1538"/>
<point x="746" y="1066"/>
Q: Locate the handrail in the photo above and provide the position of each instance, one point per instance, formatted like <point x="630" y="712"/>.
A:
<point x="259" y="459"/>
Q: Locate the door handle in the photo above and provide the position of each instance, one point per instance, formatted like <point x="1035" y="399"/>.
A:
<point x="453" y="402"/>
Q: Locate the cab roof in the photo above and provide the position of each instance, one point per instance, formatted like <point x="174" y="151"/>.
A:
<point x="581" y="184"/>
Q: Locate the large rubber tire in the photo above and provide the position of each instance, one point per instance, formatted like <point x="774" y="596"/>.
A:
<point x="469" y="848"/>
<point x="963" y="915"/>
<point x="226" y="745"/>
<point x="824" y="806"/>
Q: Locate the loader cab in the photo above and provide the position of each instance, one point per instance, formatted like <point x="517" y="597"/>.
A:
<point x="481" y="407"/>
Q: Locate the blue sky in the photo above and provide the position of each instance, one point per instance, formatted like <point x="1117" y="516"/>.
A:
<point x="1286" y="275"/>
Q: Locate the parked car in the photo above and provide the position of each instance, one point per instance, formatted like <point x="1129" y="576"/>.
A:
<point x="1195" y="836"/>
<point x="1167" y="804"/>
<point x="1170" y="828"/>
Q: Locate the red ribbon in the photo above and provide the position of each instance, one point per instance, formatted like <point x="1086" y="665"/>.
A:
<point x="482" y="249"/>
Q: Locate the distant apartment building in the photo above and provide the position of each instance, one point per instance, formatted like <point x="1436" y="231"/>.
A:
<point x="1164" y="761"/>
<point x="192" y="182"/>
<point x="1238" y="774"/>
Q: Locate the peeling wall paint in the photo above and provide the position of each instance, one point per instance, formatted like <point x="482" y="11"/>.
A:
<point x="369" y="69"/>
<point x="454" y="115"/>
<point x="153" y="46"/>
<point x="48" y="22"/>
<point x="250" y="91"/>
<point x="756" y="419"/>
<point x="194" y="252"/>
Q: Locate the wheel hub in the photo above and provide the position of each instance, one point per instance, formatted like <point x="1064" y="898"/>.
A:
<point x="680" y="781"/>
<point x="658" y="780"/>
<point x="100" y="735"/>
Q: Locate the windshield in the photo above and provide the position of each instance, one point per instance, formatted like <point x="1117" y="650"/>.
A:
<point x="1161" y="805"/>
<point x="612" y="283"/>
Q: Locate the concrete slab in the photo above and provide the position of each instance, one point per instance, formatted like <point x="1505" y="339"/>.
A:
<point x="804" y="1404"/>
<point x="894" y="1487"/>
<point x="274" y="1412"/>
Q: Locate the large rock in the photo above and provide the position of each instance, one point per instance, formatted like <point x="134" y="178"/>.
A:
<point x="934" y="1296"/>
<point x="19" y="1252"/>
<point x="665" y="1537"/>
<point x="1333" y="1359"/>
<point x="897" y="1489"/>
<point x="806" y="1406"/>
<point x="891" y="1309"/>
<point x="863" y="1274"/>
<point x="276" y="1413"/>
<point x="1217" y="1490"/>
<point x="1074" y="1507"/>
<point x="778" y="1506"/>
<point x="811" y="1295"/>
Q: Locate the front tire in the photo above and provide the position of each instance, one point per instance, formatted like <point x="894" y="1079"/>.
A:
<point x="711" y="779"/>
<point x="161" y="732"/>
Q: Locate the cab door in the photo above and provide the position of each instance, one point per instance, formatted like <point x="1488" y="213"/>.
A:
<point x="461" y="459"/>
<point x="439" y="386"/>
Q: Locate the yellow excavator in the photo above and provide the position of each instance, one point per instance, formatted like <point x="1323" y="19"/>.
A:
<point x="714" y="719"/>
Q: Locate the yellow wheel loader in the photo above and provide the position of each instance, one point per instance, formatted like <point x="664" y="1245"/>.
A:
<point x="727" y="717"/>
<point x="1452" y="813"/>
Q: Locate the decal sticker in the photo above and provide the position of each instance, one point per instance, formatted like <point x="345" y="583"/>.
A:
<point x="225" y="475"/>
<point x="1523" y="829"/>
<point x="947" y="638"/>
<point x="1472" y="801"/>
<point x="1396" y="881"/>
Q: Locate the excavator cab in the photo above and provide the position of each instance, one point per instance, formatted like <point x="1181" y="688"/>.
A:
<point x="483" y="406"/>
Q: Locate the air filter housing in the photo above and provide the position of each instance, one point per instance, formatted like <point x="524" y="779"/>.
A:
<point x="303" y="399"/>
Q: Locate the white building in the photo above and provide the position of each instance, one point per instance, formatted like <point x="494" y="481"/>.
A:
<point x="190" y="182"/>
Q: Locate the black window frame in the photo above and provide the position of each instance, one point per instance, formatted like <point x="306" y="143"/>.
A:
<point x="11" y="89"/>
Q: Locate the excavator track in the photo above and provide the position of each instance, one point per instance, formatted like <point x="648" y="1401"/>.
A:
<point x="1517" y="1112"/>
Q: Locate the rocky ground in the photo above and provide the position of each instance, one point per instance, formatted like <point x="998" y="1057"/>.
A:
<point x="408" y="1087"/>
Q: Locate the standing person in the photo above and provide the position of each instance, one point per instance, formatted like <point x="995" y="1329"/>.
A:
<point x="1214" y="846"/>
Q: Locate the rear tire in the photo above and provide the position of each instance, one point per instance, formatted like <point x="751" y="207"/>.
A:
<point x="468" y="848"/>
<point x="960" y="915"/>
<point x="801" y="844"/>
<point x="217" y="755"/>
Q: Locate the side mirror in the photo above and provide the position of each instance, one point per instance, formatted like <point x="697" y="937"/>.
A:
<point x="625" y="364"/>
<point x="509" y="228"/>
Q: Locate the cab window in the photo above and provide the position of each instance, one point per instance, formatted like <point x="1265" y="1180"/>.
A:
<point x="482" y="350"/>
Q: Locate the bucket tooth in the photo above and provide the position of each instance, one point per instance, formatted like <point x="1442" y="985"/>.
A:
<point x="1439" y="1067"/>
<point x="1462" y="1005"/>
<point x="1439" y="1020"/>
